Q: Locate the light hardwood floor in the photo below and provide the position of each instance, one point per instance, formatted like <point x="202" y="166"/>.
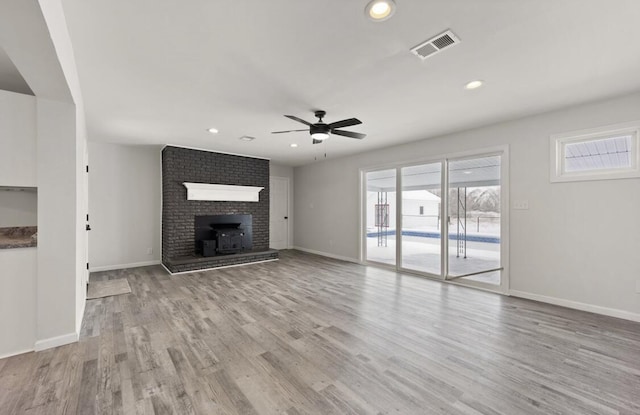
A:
<point x="310" y="335"/>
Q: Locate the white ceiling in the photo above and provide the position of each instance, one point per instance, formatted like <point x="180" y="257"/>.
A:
<point x="164" y="71"/>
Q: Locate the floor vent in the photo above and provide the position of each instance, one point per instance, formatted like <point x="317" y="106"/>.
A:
<point x="435" y="44"/>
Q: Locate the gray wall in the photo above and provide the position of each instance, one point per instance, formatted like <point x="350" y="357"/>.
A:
<point x="578" y="243"/>
<point x="124" y="205"/>
<point x="18" y="208"/>
<point x="281" y="171"/>
<point x="60" y="285"/>
<point x="18" y="135"/>
<point x="181" y="165"/>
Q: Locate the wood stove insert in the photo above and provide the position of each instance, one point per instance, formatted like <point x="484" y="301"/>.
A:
<point x="222" y="234"/>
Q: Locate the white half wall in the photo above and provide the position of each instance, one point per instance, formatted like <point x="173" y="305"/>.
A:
<point x="578" y="241"/>
<point x="124" y="205"/>
<point x="276" y="170"/>
<point x="17" y="300"/>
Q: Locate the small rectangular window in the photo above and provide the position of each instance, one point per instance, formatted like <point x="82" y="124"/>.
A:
<point x="605" y="153"/>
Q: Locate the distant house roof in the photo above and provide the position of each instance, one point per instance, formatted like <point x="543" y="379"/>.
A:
<point x="420" y="195"/>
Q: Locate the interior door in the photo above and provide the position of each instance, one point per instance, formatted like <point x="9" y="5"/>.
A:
<point x="279" y="213"/>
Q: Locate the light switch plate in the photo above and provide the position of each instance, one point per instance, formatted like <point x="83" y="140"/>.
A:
<point x="521" y="204"/>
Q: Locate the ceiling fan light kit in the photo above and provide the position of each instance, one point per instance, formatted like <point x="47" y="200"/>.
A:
<point x="320" y="136"/>
<point x="380" y="10"/>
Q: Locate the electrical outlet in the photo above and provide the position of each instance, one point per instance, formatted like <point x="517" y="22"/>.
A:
<point x="521" y="204"/>
<point x="149" y="251"/>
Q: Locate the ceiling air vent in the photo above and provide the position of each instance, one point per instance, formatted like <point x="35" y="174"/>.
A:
<point x="435" y="45"/>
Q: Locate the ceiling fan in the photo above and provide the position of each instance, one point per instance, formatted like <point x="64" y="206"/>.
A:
<point x="320" y="131"/>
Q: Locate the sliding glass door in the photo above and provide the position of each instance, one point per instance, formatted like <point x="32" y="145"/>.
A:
<point x="421" y="233"/>
<point x="474" y="219"/>
<point x="380" y="209"/>
<point x="446" y="219"/>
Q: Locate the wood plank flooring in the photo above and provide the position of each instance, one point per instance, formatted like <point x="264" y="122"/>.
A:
<point x="310" y="335"/>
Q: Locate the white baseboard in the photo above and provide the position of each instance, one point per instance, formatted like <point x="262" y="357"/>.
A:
<point x="123" y="266"/>
<point x="606" y="311"/>
<point x="222" y="267"/>
<point x="328" y="255"/>
<point x="4" y="356"/>
<point x="56" y="341"/>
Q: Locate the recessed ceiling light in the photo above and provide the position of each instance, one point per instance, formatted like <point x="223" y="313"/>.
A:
<point x="468" y="172"/>
<point x="474" y="84"/>
<point x="213" y="130"/>
<point x="294" y="145"/>
<point x="380" y="10"/>
<point x="247" y="138"/>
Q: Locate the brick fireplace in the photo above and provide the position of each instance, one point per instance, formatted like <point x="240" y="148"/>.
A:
<point x="180" y="251"/>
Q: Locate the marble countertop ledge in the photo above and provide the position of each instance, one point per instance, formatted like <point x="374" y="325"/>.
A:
<point x="18" y="237"/>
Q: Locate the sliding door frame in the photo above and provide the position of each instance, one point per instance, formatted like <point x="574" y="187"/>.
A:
<point x="503" y="152"/>
<point x="398" y="219"/>
<point x="503" y="287"/>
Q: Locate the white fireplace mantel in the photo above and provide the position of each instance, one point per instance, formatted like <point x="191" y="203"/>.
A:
<point x="222" y="192"/>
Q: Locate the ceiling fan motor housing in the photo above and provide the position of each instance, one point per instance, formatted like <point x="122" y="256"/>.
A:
<point x="319" y="128"/>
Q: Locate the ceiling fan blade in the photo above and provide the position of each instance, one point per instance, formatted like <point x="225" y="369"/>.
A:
<point x="288" y="131"/>
<point x="350" y="134"/>
<point x="298" y="119"/>
<point x="345" y="123"/>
